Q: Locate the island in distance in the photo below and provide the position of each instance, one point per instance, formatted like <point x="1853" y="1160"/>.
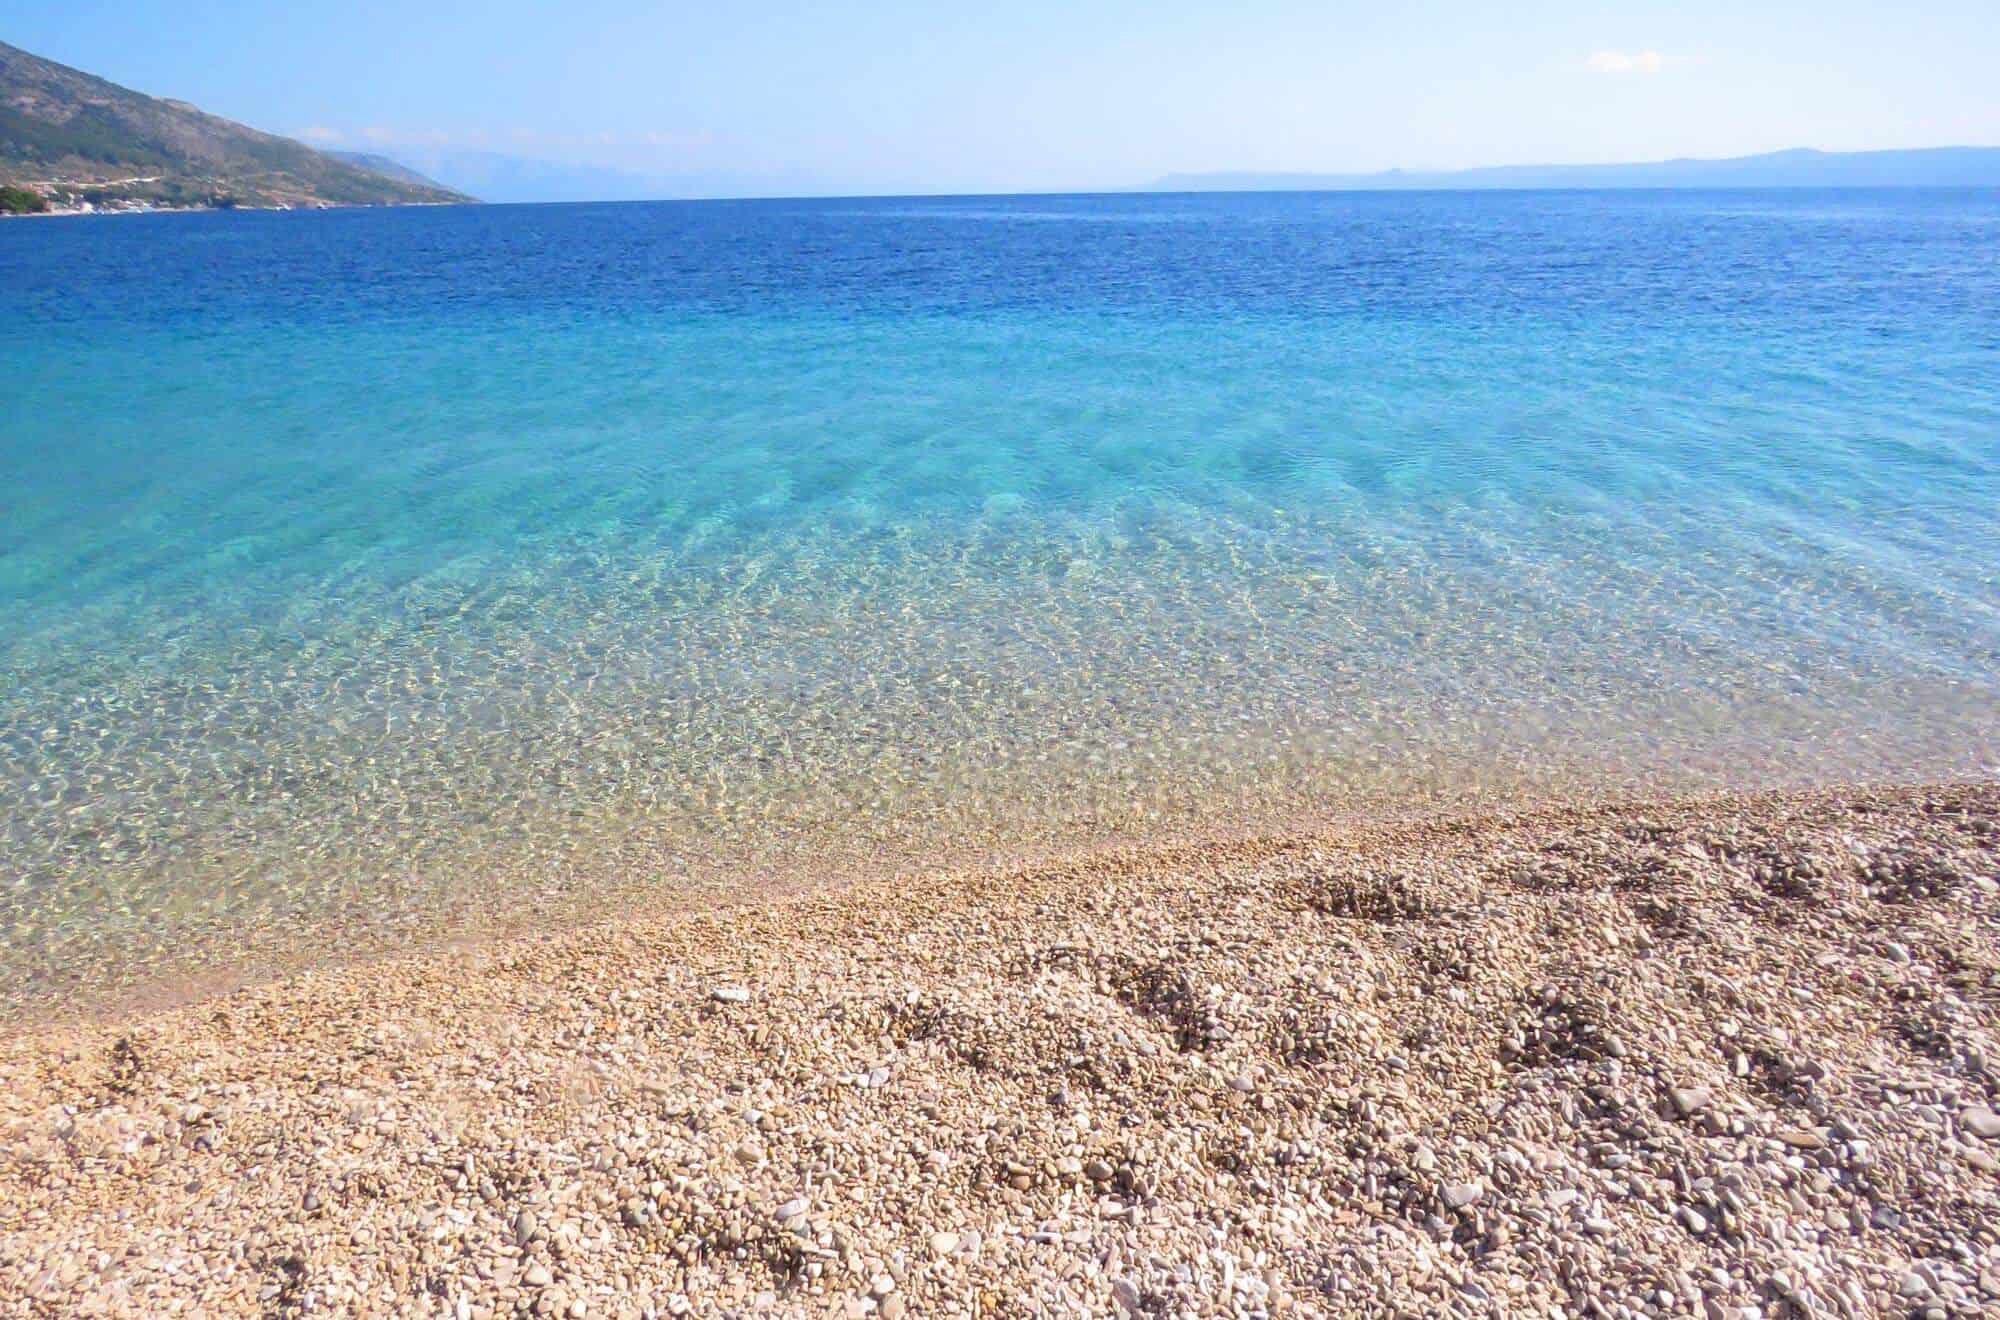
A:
<point x="1801" y="167"/>
<point x="70" y="141"/>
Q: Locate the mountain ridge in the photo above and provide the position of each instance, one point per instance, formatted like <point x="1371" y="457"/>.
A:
<point x="385" y="166"/>
<point x="1793" y="167"/>
<point x="81" y="142"/>
<point x="499" y="177"/>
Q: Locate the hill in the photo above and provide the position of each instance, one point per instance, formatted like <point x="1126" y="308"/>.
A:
<point x="1932" y="167"/>
<point x="382" y="165"/>
<point x="495" y="177"/>
<point x="79" y="140"/>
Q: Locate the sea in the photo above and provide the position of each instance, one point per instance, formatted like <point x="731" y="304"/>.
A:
<point x="374" y="579"/>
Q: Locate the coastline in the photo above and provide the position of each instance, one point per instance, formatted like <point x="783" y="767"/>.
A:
<point x="61" y="212"/>
<point x="1711" y="1052"/>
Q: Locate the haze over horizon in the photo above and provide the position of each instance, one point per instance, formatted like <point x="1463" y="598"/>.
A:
<point x="893" y="97"/>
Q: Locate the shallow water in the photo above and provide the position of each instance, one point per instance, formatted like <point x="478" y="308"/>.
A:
<point x="376" y="575"/>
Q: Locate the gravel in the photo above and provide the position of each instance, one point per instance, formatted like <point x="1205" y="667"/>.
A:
<point x="1730" y="1057"/>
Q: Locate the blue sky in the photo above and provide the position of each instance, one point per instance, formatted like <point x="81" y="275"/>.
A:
<point x="913" y="95"/>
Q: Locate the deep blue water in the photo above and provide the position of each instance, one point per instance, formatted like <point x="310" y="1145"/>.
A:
<point x="400" y="570"/>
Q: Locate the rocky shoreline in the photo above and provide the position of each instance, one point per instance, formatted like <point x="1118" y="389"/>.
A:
<point x="1729" y="1057"/>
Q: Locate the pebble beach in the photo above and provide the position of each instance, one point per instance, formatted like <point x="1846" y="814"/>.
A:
<point x="1385" y="751"/>
<point x="1723" y="1057"/>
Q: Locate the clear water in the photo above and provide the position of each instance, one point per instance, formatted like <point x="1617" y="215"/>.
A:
<point x="369" y="576"/>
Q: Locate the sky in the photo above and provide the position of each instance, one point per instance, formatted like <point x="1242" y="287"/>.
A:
<point x="1048" y="95"/>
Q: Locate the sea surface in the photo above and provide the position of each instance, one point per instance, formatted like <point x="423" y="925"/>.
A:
<point x="374" y="577"/>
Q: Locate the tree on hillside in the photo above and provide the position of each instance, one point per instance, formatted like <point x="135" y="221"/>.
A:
<point x="15" y="200"/>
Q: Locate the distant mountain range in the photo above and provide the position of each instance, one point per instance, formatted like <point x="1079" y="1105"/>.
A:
<point x="75" y="141"/>
<point x="1931" y="167"/>
<point x="394" y="169"/>
<point x="497" y="177"/>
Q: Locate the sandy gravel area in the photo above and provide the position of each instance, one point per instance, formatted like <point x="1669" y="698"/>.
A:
<point x="1730" y="1057"/>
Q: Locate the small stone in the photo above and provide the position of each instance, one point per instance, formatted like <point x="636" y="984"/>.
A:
<point x="943" y="1244"/>
<point x="1460" y="1195"/>
<point x="1690" y="1099"/>
<point x="891" y="1307"/>
<point x="1127" y="1297"/>
<point x="1801" y="1138"/>
<point x="524" y="1226"/>
<point x="793" y="1209"/>
<point x="1982" y="1122"/>
<point x="1692" y="1220"/>
<point x="730" y="994"/>
<point x="537" y="1276"/>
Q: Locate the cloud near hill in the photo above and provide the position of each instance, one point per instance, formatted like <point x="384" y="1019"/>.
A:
<point x="1618" y="61"/>
<point x="380" y="135"/>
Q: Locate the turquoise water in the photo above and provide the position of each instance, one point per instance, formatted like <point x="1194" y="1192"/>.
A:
<point x="370" y="576"/>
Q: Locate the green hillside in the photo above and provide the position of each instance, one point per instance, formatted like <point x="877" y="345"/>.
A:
<point x="75" y="138"/>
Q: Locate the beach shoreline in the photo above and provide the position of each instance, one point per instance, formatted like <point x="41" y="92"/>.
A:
<point x="1709" y="1053"/>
